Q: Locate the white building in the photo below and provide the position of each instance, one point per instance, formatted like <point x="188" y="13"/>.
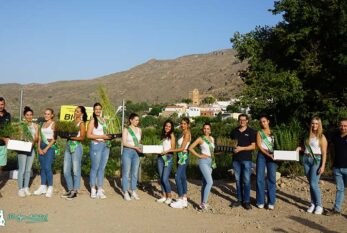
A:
<point x="193" y="112"/>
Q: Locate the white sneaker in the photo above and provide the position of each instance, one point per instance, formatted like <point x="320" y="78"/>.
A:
<point x="185" y="202"/>
<point x="100" y="194"/>
<point x="168" y="201"/>
<point x="41" y="190"/>
<point x="318" y="210"/>
<point x="271" y="207"/>
<point x="127" y="197"/>
<point x="161" y="200"/>
<point x="134" y="196"/>
<point x="93" y="193"/>
<point x="49" y="192"/>
<point x="311" y="209"/>
<point x="261" y="206"/>
<point x="21" y="193"/>
<point x="27" y="191"/>
<point x="179" y="204"/>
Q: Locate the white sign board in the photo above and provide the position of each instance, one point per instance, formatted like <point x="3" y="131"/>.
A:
<point x="152" y="149"/>
<point x="286" y="155"/>
<point x="19" y="145"/>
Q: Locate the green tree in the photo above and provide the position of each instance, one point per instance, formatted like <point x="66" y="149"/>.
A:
<point x="298" y="67"/>
<point x="186" y="100"/>
<point x="209" y="100"/>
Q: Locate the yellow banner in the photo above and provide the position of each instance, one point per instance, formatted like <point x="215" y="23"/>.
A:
<point x="67" y="112"/>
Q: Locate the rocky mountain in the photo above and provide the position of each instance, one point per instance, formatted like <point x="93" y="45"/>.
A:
<point x="156" y="81"/>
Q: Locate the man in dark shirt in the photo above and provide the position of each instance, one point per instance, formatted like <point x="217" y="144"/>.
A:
<point x="5" y="117"/>
<point x="339" y="162"/>
<point x="242" y="160"/>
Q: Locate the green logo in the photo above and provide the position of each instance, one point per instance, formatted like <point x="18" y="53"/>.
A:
<point x="32" y="218"/>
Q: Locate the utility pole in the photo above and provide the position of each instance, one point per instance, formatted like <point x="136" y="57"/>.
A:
<point x="21" y="105"/>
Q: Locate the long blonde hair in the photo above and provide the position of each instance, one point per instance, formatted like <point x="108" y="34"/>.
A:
<point x="319" y="130"/>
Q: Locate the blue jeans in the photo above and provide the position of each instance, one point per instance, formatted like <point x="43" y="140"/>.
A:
<point x="207" y="181"/>
<point x="46" y="162"/>
<point x="130" y="166"/>
<point x="181" y="179"/>
<point x="73" y="160"/>
<point x="243" y="170"/>
<point x="271" y="166"/>
<point x="164" y="174"/>
<point x="311" y="170"/>
<point x="25" y="162"/>
<point x="341" y="182"/>
<point x="99" y="153"/>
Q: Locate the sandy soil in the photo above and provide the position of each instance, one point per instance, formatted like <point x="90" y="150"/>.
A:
<point x="115" y="215"/>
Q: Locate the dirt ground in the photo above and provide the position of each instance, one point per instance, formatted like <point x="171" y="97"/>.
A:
<point x="115" y="215"/>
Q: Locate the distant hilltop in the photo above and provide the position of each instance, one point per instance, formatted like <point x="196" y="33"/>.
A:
<point x="156" y="81"/>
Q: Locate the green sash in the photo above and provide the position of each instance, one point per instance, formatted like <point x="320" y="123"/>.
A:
<point x="54" y="146"/>
<point x="104" y="128"/>
<point x="182" y="157"/>
<point x="313" y="155"/>
<point x="3" y="155"/>
<point x="132" y="134"/>
<point x="165" y="157"/>
<point x="210" y="146"/>
<point x="73" y="145"/>
<point x="268" y="144"/>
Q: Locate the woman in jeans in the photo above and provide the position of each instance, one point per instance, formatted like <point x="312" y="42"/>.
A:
<point x="46" y="149"/>
<point x="73" y="155"/>
<point x="25" y="159"/>
<point x="206" y="143"/>
<point x="99" y="151"/>
<point x="183" y="158"/>
<point x="265" y="144"/>
<point x="165" y="161"/>
<point x="314" y="159"/>
<point x="131" y="138"/>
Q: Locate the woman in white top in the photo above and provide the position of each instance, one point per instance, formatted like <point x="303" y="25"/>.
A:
<point x="206" y="143"/>
<point x="46" y="154"/>
<point x="164" y="161"/>
<point x="99" y="151"/>
<point x="131" y="138"/>
<point x="73" y="155"/>
<point x="314" y="159"/>
<point x="183" y="158"/>
<point x="25" y="159"/>
<point x="265" y="144"/>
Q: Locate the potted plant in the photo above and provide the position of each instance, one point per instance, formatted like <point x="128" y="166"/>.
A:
<point x="66" y="129"/>
<point x="224" y="144"/>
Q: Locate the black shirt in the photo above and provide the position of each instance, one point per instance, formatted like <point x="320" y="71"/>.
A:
<point x="245" y="138"/>
<point x="340" y="146"/>
<point x="6" y="118"/>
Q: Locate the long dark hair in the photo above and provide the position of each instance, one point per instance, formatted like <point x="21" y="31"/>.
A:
<point x="163" y="133"/>
<point x="85" y="116"/>
<point x="96" y="123"/>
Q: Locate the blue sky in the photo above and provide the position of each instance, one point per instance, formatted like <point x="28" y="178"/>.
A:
<point x="43" y="41"/>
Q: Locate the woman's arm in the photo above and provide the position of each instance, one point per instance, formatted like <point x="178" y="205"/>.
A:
<point x="186" y="139"/>
<point x="192" y="148"/>
<point x="50" y="144"/>
<point x="90" y="134"/>
<point x="265" y="152"/>
<point x="324" y="146"/>
<point x="173" y="141"/>
<point x="124" y="140"/>
<point x="82" y="133"/>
